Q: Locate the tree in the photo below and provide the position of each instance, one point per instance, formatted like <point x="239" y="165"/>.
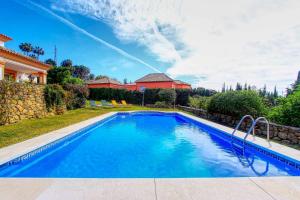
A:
<point x="287" y="112"/>
<point x="81" y="71"/>
<point x="67" y="63"/>
<point x="100" y="77"/>
<point x="50" y="62"/>
<point x="203" y="91"/>
<point x="238" y="87"/>
<point x="38" y="51"/>
<point x="32" y="56"/>
<point x="92" y="77"/>
<point x="26" y="48"/>
<point x="125" y="81"/>
<point x="224" y="88"/>
<point x="264" y="90"/>
<point x="58" y="75"/>
<point x="275" y="94"/>
<point x="294" y="85"/>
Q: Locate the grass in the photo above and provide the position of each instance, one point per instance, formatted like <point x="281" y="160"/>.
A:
<point x="26" y="129"/>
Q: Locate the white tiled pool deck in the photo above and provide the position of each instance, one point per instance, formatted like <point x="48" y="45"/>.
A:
<point x="252" y="188"/>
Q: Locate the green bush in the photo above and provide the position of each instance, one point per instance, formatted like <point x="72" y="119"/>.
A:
<point x="167" y="95"/>
<point x="76" y="95"/>
<point x="72" y="80"/>
<point x="161" y="104"/>
<point x="54" y="96"/>
<point x="288" y="110"/>
<point x="200" y="102"/>
<point x="237" y="103"/>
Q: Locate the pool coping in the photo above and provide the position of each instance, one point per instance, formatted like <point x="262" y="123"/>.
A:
<point x="247" y="188"/>
<point x="231" y="188"/>
<point x="17" y="150"/>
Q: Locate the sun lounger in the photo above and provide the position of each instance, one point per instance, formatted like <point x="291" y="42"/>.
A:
<point x="106" y="104"/>
<point x="124" y="103"/>
<point x="93" y="104"/>
<point x="114" y="103"/>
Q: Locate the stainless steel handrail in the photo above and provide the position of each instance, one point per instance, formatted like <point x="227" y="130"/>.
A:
<point x="239" y="124"/>
<point x="253" y="128"/>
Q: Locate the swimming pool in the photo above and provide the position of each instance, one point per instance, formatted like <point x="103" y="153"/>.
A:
<point x="147" y="145"/>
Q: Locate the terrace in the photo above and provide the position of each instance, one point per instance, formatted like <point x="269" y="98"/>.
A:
<point x="20" y="68"/>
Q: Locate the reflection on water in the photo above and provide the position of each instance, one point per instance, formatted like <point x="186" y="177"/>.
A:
<point x="248" y="160"/>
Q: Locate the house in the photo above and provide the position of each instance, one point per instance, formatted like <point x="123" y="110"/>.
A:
<point x="154" y="80"/>
<point x="104" y="82"/>
<point x="160" y="80"/>
<point x="20" y="68"/>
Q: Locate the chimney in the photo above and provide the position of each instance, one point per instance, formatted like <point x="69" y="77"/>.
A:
<point x="3" y="39"/>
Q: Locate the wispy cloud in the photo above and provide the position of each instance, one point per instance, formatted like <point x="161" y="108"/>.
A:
<point x="254" y="41"/>
<point x="97" y="39"/>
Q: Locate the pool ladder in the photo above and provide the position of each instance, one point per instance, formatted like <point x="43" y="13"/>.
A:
<point x="252" y="128"/>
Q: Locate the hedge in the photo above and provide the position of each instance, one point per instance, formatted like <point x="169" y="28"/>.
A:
<point x="135" y="97"/>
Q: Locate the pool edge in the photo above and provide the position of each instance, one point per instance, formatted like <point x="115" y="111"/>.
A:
<point x="22" y="149"/>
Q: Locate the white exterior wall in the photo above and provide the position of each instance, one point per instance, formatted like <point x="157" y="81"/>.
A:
<point x="23" y="77"/>
<point x="1" y="72"/>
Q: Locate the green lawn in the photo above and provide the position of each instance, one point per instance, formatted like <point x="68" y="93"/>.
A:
<point x="26" y="129"/>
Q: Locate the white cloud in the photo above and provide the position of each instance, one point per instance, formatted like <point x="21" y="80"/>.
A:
<point x="254" y="41"/>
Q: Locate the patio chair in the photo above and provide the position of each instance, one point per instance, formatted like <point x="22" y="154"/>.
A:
<point x="124" y="103"/>
<point x="114" y="103"/>
<point x="93" y="104"/>
<point x="106" y="104"/>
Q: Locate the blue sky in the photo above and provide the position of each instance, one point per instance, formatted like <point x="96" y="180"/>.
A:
<point x="205" y="43"/>
<point x="28" y="23"/>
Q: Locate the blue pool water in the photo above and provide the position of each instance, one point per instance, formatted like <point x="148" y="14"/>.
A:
<point x="147" y="145"/>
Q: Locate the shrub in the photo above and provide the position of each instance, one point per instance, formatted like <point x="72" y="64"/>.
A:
<point x="200" y="91"/>
<point x="76" y="95"/>
<point x="237" y="103"/>
<point x="72" y="80"/>
<point x="161" y="104"/>
<point x="54" y="97"/>
<point x="200" y="102"/>
<point x="167" y="95"/>
<point x="288" y="110"/>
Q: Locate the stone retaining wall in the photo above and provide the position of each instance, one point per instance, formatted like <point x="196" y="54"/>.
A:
<point x="21" y="101"/>
<point x="284" y="134"/>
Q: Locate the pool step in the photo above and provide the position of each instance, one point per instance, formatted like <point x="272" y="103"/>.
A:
<point x="238" y="147"/>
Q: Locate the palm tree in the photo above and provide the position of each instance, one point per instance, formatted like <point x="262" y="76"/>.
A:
<point x="38" y="51"/>
<point x="32" y="55"/>
<point x="26" y="48"/>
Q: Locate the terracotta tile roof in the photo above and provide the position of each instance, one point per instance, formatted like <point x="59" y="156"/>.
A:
<point x="181" y="82"/>
<point x="10" y="53"/>
<point x="4" y="38"/>
<point x="104" y="80"/>
<point x="155" y="77"/>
